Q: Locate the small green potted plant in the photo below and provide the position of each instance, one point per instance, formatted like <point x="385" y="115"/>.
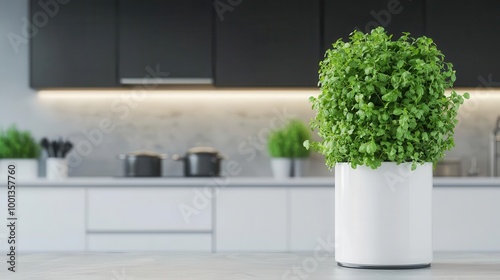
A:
<point x="384" y="118"/>
<point x="298" y="132"/>
<point x="285" y="146"/>
<point x="278" y="146"/>
<point x="19" y="150"/>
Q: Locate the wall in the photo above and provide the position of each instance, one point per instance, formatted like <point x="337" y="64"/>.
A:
<point x="171" y="121"/>
<point x="477" y="120"/>
<point x="235" y="122"/>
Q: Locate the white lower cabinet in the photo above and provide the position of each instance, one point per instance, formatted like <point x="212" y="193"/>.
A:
<point x="144" y="242"/>
<point x="251" y="219"/>
<point x="51" y="219"/>
<point x="122" y="219"/>
<point x="466" y="218"/>
<point x="312" y="218"/>
<point x="149" y="209"/>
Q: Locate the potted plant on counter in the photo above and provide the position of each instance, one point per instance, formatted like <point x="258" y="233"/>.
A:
<point x="298" y="132"/>
<point x="285" y="146"/>
<point x="384" y="119"/>
<point x="278" y="146"/>
<point x="19" y="149"/>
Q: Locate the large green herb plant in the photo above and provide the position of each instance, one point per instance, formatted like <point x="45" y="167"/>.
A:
<point x="18" y="144"/>
<point x="384" y="100"/>
<point x="287" y="141"/>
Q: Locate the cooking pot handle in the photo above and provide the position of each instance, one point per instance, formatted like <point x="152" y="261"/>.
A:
<point x="177" y="157"/>
<point x="222" y="157"/>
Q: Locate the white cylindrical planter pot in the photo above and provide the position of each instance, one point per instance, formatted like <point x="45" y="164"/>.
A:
<point x="383" y="217"/>
<point x="56" y="168"/>
<point x="282" y="167"/>
<point x="300" y="166"/>
<point x="26" y="168"/>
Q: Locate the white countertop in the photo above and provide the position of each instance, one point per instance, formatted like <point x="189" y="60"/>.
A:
<point x="467" y="181"/>
<point x="237" y="266"/>
<point x="239" y="181"/>
<point x="182" y="181"/>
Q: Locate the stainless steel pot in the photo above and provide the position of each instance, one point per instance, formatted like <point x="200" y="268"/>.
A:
<point x="142" y="164"/>
<point x="448" y="168"/>
<point x="201" y="162"/>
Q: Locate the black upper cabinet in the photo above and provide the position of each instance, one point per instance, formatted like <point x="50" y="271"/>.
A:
<point x="76" y="47"/>
<point x="168" y="36"/>
<point x="268" y="43"/>
<point x="396" y="16"/>
<point x="254" y="43"/>
<point x="468" y="35"/>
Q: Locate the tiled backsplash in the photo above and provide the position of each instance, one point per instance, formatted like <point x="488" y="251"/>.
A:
<point x="236" y="122"/>
<point x="477" y="120"/>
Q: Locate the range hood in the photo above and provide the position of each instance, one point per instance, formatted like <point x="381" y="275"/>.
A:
<point x="166" y="81"/>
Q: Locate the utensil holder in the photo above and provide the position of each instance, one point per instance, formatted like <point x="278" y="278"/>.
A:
<point x="56" y="168"/>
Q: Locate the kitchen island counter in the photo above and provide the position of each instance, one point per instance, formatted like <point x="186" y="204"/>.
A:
<point x="128" y="266"/>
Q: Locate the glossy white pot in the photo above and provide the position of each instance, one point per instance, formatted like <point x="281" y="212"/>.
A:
<point x="383" y="217"/>
<point x="282" y="167"/>
<point x="26" y="169"/>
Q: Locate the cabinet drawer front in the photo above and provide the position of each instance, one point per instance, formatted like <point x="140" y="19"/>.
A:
<point x="161" y="242"/>
<point x="312" y="217"/>
<point x="149" y="208"/>
<point x="251" y="219"/>
<point x="51" y="219"/>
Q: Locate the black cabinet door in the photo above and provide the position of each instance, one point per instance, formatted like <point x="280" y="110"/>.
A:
<point x="75" y="46"/>
<point x="268" y="43"/>
<point x="468" y="33"/>
<point x="396" y="16"/>
<point x="168" y="36"/>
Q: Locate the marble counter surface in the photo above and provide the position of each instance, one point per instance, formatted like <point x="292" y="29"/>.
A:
<point x="237" y="181"/>
<point x="275" y="266"/>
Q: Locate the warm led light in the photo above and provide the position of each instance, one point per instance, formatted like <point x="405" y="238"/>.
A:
<point x="481" y="94"/>
<point x="236" y="94"/>
<point x="215" y="94"/>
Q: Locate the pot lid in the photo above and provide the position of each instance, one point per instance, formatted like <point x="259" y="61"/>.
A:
<point x="145" y="154"/>
<point x="200" y="150"/>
